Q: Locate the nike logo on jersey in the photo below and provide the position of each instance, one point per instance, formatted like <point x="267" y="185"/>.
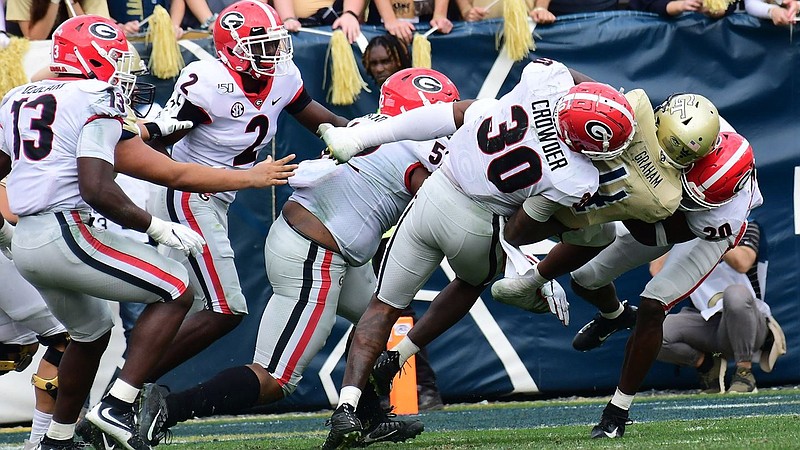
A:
<point x="276" y="100"/>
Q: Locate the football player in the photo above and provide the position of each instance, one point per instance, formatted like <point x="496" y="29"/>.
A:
<point x="317" y="255"/>
<point x="720" y="190"/>
<point x="232" y="105"/>
<point x="25" y="322"/>
<point x="634" y="184"/>
<point x="505" y="154"/>
<point x="63" y="165"/>
<point x="73" y="266"/>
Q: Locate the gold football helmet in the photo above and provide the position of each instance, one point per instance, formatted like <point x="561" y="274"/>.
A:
<point x="687" y="127"/>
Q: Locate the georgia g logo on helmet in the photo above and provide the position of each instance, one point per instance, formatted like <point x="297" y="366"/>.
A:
<point x="103" y="31"/>
<point x="232" y="20"/>
<point x="599" y="131"/>
<point x="427" y="83"/>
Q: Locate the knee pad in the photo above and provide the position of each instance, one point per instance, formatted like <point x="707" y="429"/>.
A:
<point x="16" y="357"/>
<point x="53" y="356"/>
<point x="49" y="385"/>
<point x="56" y="339"/>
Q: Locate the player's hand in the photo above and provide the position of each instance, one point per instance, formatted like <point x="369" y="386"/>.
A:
<point x="556" y="299"/>
<point x="176" y="235"/>
<point x="272" y="173"/>
<point x="475" y="14"/>
<point x="542" y="15"/>
<point x="340" y="141"/>
<point x="349" y="25"/>
<point x="6" y="233"/>
<point x="443" y="24"/>
<point x="401" y="30"/>
<point x="167" y="125"/>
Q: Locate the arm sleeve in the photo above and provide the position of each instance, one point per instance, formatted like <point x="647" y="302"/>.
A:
<point x="759" y="8"/>
<point x="420" y="124"/>
<point x="540" y="208"/>
<point x="300" y="101"/>
<point x="752" y="236"/>
<point x="98" y="139"/>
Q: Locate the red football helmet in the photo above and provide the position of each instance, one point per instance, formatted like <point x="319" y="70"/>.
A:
<point x="250" y="38"/>
<point x="411" y="88"/>
<point x="91" y="46"/>
<point x="714" y="179"/>
<point x="596" y="120"/>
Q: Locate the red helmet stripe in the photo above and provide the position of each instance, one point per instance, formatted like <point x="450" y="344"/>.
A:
<point x="733" y="160"/>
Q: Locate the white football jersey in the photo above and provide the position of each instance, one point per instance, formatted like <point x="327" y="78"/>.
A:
<point x="507" y="150"/>
<point x="728" y="220"/>
<point x="240" y="124"/>
<point x="42" y="123"/>
<point x="359" y="201"/>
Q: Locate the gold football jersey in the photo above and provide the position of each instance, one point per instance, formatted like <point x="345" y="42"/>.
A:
<point x="635" y="185"/>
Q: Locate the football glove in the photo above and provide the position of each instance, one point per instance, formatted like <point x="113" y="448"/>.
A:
<point x="6" y="233"/>
<point x="556" y="299"/>
<point x="342" y="145"/>
<point x="164" y="126"/>
<point x="176" y="235"/>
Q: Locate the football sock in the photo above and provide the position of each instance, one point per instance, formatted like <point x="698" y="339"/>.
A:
<point x="406" y="348"/>
<point x="41" y="421"/>
<point x="350" y="395"/>
<point x="123" y="391"/>
<point x="229" y="392"/>
<point x="615" y="314"/>
<point x="61" y="431"/>
<point x="621" y="400"/>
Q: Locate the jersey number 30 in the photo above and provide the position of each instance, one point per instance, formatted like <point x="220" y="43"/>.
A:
<point x="515" y="168"/>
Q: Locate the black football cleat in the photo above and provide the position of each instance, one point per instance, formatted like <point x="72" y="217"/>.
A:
<point x="345" y="428"/>
<point x="612" y="423"/>
<point x="594" y="333"/>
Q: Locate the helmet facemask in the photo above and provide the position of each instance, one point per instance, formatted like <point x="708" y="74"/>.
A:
<point x="267" y="52"/>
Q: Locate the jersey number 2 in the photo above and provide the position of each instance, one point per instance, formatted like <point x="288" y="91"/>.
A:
<point x="248" y="156"/>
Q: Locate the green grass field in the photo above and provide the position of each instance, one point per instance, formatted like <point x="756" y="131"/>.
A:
<point x="770" y="419"/>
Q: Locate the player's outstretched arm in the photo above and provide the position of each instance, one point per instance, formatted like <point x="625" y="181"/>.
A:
<point x="314" y="115"/>
<point x="420" y="124"/>
<point x="135" y="158"/>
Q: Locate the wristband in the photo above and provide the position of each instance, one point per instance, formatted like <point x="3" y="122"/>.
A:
<point x="153" y="130"/>
<point x="539" y="8"/>
<point x="347" y="11"/>
<point x="290" y="18"/>
<point x="55" y="2"/>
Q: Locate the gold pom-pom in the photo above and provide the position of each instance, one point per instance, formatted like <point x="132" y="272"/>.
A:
<point x="346" y="81"/>
<point x="516" y="32"/>
<point x="717" y="6"/>
<point x="421" y="51"/>
<point x="11" y="62"/>
<point x="166" y="60"/>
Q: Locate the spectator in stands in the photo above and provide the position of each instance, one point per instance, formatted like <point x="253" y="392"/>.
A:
<point x="781" y="14"/>
<point x="672" y="8"/>
<point x="384" y="56"/>
<point x="344" y="14"/>
<point x="728" y="317"/>
<point x="400" y="16"/>
<point x="546" y="11"/>
<point x="130" y="13"/>
<point x="475" y="10"/>
<point x="38" y="18"/>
